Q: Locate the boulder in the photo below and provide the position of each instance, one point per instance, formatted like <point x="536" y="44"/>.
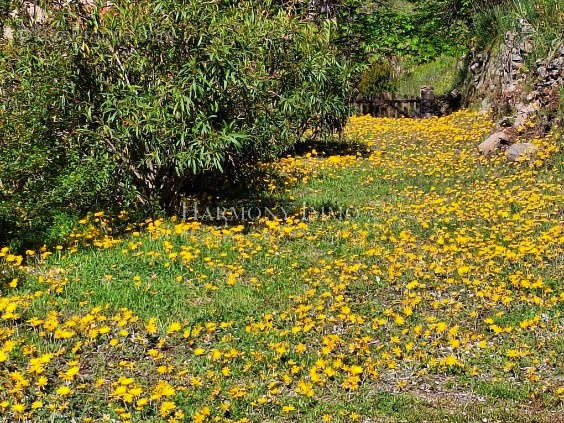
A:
<point x="532" y="95"/>
<point x="542" y="71"/>
<point x="524" y="112"/>
<point x="494" y="142"/>
<point x="521" y="151"/>
<point x="510" y="36"/>
<point x="525" y="27"/>
<point x="509" y="90"/>
<point x="35" y="12"/>
<point x="486" y="106"/>
<point x="475" y="67"/>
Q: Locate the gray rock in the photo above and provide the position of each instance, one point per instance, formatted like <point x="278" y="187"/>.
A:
<point x="509" y="36"/>
<point x="8" y="33"/>
<point x="525" y="108"/>
<point x="526" y="27"/>
<point x="532" y="95"/>
<point x="542" y="71"/>
<point x="486" y="106"/>
<point x="521" y="151"/>
<point x="521" y="119"/>
<point x="35" y="12"/>
<point x="509" y="90"/>
<point x="493" y="143"/>
<point x="475" y="67"/>
<point x="524" y="112"/>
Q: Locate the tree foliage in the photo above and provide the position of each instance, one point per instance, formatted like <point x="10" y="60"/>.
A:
<point x="124" y="106"/>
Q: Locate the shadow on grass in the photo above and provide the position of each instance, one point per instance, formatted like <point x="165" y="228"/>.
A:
<point x="337" y="147"/>
<point x="244" y="191"/>
<point x="241" y="195"/>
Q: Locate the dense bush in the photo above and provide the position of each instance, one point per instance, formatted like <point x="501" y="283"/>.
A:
<point x="377" y="79"/>
<point x="122" y="107"/>
<point x="420" y="31"/>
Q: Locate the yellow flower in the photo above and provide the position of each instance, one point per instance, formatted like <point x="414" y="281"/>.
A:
<point x="42" y="381"/>
<point x="305" y="388"/>
<point x="63" y="391"/>
<point x="162" y="389"/>
<point x="174" y="327"/>
<point x="166" y="408"/>
<point x="151" y="326"/>
<point x="70" y="373"/>
<point x="356" y="370"/>
<point x="18" y="408"/>
<point x="451" y="360"/>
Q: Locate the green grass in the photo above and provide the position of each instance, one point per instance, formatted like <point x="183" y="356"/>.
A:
<point x="161" y="295"/>
<point x="278" y="270"/>
<point x="501" y="390"/>
<point x="441" y="74"/>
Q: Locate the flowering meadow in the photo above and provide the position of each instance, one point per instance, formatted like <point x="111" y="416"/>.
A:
<point x="437" y="296"/>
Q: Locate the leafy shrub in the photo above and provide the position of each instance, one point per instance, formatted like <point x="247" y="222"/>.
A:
<point x="420" y="34"/>
<point x="377" y="78"/>
<point x="123" y="107"/>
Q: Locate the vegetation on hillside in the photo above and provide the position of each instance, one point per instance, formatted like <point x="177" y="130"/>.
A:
<point x="546" y="18"/>
<point x="427" y="39"/>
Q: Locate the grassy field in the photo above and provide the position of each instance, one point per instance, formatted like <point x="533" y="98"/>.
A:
<point x="405" y="278"/>
<point x="441" y="74"/>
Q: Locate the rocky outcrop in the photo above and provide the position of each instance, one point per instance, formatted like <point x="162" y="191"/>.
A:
<point x="38" y="16"/>
<point x="549" y="77"/>
<point x="448" y="103"/>
<point x="493" y="143"/>
<point x="497" y="74"/>
<point x="521" y="151"/>
<point x="500" y="79"/>
<point x="523" y="99"/>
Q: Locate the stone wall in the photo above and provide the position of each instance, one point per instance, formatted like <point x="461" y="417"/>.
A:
<point x="502" y="84"/>
<point x="524" y="97"/>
